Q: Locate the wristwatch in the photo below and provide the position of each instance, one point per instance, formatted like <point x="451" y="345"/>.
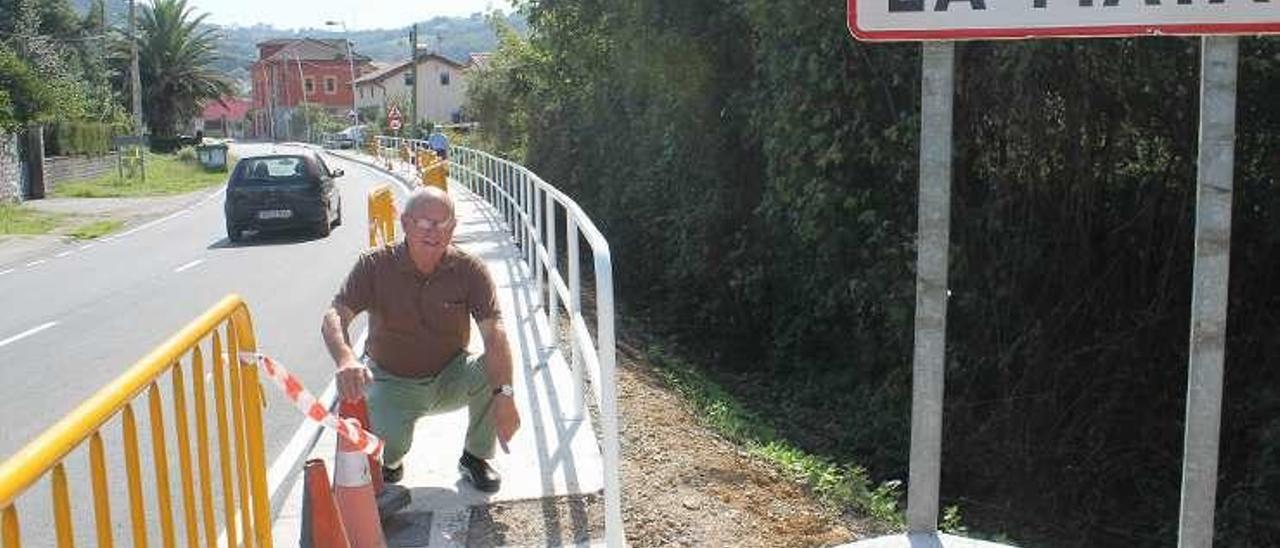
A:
<point x="505" y="390"/>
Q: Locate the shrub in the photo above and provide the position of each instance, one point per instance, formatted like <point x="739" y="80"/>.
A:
<point x="187" y="155"/>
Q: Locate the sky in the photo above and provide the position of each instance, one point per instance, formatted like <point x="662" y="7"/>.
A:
<point x="358" y="14"/>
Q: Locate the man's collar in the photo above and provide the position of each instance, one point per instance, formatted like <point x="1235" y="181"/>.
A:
<point x="405" y="262"/>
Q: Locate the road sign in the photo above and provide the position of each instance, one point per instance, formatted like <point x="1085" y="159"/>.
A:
<point x="393" y="118"/>
<point x="917" y="20"/>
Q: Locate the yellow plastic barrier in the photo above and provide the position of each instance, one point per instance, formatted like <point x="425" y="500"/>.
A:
<point x="243" y="475"/>
<point x="382" y="216"/>
<point x="433" y="170"/>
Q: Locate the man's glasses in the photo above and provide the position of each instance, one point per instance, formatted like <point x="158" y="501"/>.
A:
<point x="428" y="224"/>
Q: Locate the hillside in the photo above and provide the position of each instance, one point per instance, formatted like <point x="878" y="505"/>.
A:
<point x="454" y="37"/>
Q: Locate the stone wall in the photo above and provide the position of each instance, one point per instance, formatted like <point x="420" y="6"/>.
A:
<point x="10" y="169"/>
<point x="63" y="169"/>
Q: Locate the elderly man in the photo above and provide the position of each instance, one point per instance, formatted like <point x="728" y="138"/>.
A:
<point x="420" y="295"/>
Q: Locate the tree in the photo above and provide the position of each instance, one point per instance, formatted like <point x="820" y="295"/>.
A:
<point x="23" y="96"/>
<point x="175" y="53"/>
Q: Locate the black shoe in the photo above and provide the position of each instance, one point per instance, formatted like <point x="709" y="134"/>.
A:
<point x="392" y="475"/>
<point x="475" y="470"/>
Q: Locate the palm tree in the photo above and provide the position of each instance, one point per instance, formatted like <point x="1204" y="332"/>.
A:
<point x="175" y="52"/>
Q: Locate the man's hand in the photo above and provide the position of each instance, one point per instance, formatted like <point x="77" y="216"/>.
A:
<point x="352" y="377"/>
<point x="506" y="419"/>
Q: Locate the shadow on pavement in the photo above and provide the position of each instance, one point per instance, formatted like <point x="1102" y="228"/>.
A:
<point x="267" y="239"/>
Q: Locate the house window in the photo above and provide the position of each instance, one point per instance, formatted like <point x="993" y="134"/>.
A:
<point x="444" y="78"/>
<point x="362" y="93"/>
<point x="330" y="85"/>
<point x="309" y="85"/>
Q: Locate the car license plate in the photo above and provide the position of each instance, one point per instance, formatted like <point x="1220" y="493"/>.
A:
<point x="275" y="214"/>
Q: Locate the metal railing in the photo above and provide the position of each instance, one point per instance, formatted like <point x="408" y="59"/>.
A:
<point x="236" y="400"/>
<point x="537" y="215"/>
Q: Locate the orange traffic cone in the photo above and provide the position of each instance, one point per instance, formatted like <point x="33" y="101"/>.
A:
<point x="353" y="488"/>
<point x="359" y="410"/>
<point x="321" y="525"/>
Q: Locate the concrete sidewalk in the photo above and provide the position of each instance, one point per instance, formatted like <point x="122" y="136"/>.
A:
<point x="555" y="453"/>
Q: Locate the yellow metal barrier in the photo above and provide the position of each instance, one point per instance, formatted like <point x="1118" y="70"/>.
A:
<point x="246" y="517"/>
<point x="382" y="216"/>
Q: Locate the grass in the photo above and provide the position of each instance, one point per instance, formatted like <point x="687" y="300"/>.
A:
<point x="96" y="229"/>
<point x="166" y="174"/>
<point x="15" y="219"/>
<point x="842" y="485"/>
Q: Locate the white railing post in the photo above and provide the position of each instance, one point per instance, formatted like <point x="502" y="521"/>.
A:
<point x="526" y="216"/>
<point x="608" y="396"/>
<point x="531" y="237"/>
<point x="538" y="223"/>
<point x="575" y="311"/>
<point x="553" y="306"/>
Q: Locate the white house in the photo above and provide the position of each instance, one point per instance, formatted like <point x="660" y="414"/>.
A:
<point x="441" y="87"/>
<point x="384" y="86"/>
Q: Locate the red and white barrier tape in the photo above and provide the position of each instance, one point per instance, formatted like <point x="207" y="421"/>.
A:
<point x="363" y="440"/>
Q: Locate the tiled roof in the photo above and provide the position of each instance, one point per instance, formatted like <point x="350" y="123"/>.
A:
<point x="234" y="109"/>
<point x="310" y="49"/>
<point x="383" y="74"/>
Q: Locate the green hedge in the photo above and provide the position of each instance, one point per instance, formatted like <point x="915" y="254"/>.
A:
<point x="78" y="138"/>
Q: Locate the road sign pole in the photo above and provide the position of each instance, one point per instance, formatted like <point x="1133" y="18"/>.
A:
<point x="934" y="228"/>
<point x="1214" y="174"/>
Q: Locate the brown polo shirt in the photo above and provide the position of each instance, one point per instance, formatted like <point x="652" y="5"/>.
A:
<point x="418" y="323"/>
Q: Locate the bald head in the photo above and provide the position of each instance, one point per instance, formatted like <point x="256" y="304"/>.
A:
<point x="424" y="197"/>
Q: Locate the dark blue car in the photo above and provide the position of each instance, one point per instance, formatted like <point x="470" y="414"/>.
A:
<point x="282" y="191"/>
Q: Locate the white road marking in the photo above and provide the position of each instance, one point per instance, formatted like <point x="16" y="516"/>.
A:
<point x="28" y="333"/>
<point x="148" y="225"/>
<point x="63" y="254"/>
<point x="36" y="263"/>
<point x="85" y="247"/>
<point x="3" y="272"/>
<point x="188" y="265"/>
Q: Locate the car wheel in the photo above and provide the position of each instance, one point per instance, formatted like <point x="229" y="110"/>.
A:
<point x="324" y="227"/>
<point x="338" y="221"/>
<point x="234" y="233"/>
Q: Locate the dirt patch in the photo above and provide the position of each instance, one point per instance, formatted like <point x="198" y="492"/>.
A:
<point x="686" y="485"/>
<point x="683" y="485"/>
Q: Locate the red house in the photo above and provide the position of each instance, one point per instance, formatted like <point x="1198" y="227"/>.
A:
<point x="290" y="71"/>
<point x="225" y="117"/>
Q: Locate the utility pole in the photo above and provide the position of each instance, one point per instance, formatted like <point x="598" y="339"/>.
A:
<point x="302" y="83"/>
<point x="135" y="80"/>
<point x="135" y="85"/>
<point x="413" y="89"/>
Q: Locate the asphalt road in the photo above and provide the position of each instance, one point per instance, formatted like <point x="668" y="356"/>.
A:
<point x="73" y="323"/>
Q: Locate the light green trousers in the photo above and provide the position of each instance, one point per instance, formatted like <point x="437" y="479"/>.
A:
<point x="396" y="403"/>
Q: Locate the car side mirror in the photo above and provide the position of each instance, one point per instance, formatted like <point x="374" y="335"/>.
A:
<point x="337" y="173"/>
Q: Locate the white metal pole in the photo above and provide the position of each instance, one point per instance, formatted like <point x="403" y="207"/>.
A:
<point x="575" y="309"/>
<point x="938" y="64"/>
<point x="534" y="239"/>
<point x="1210" y="277"/>
<point x="553" y="305"/>
<point x="609" y="402"/>
<point x="351" y="64"/>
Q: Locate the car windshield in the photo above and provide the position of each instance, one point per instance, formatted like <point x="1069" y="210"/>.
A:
<point x="279" y="169"/>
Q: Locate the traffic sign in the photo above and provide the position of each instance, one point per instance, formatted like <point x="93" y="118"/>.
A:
<point x="919" y="20"/>
<point x="393" y="118"/>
